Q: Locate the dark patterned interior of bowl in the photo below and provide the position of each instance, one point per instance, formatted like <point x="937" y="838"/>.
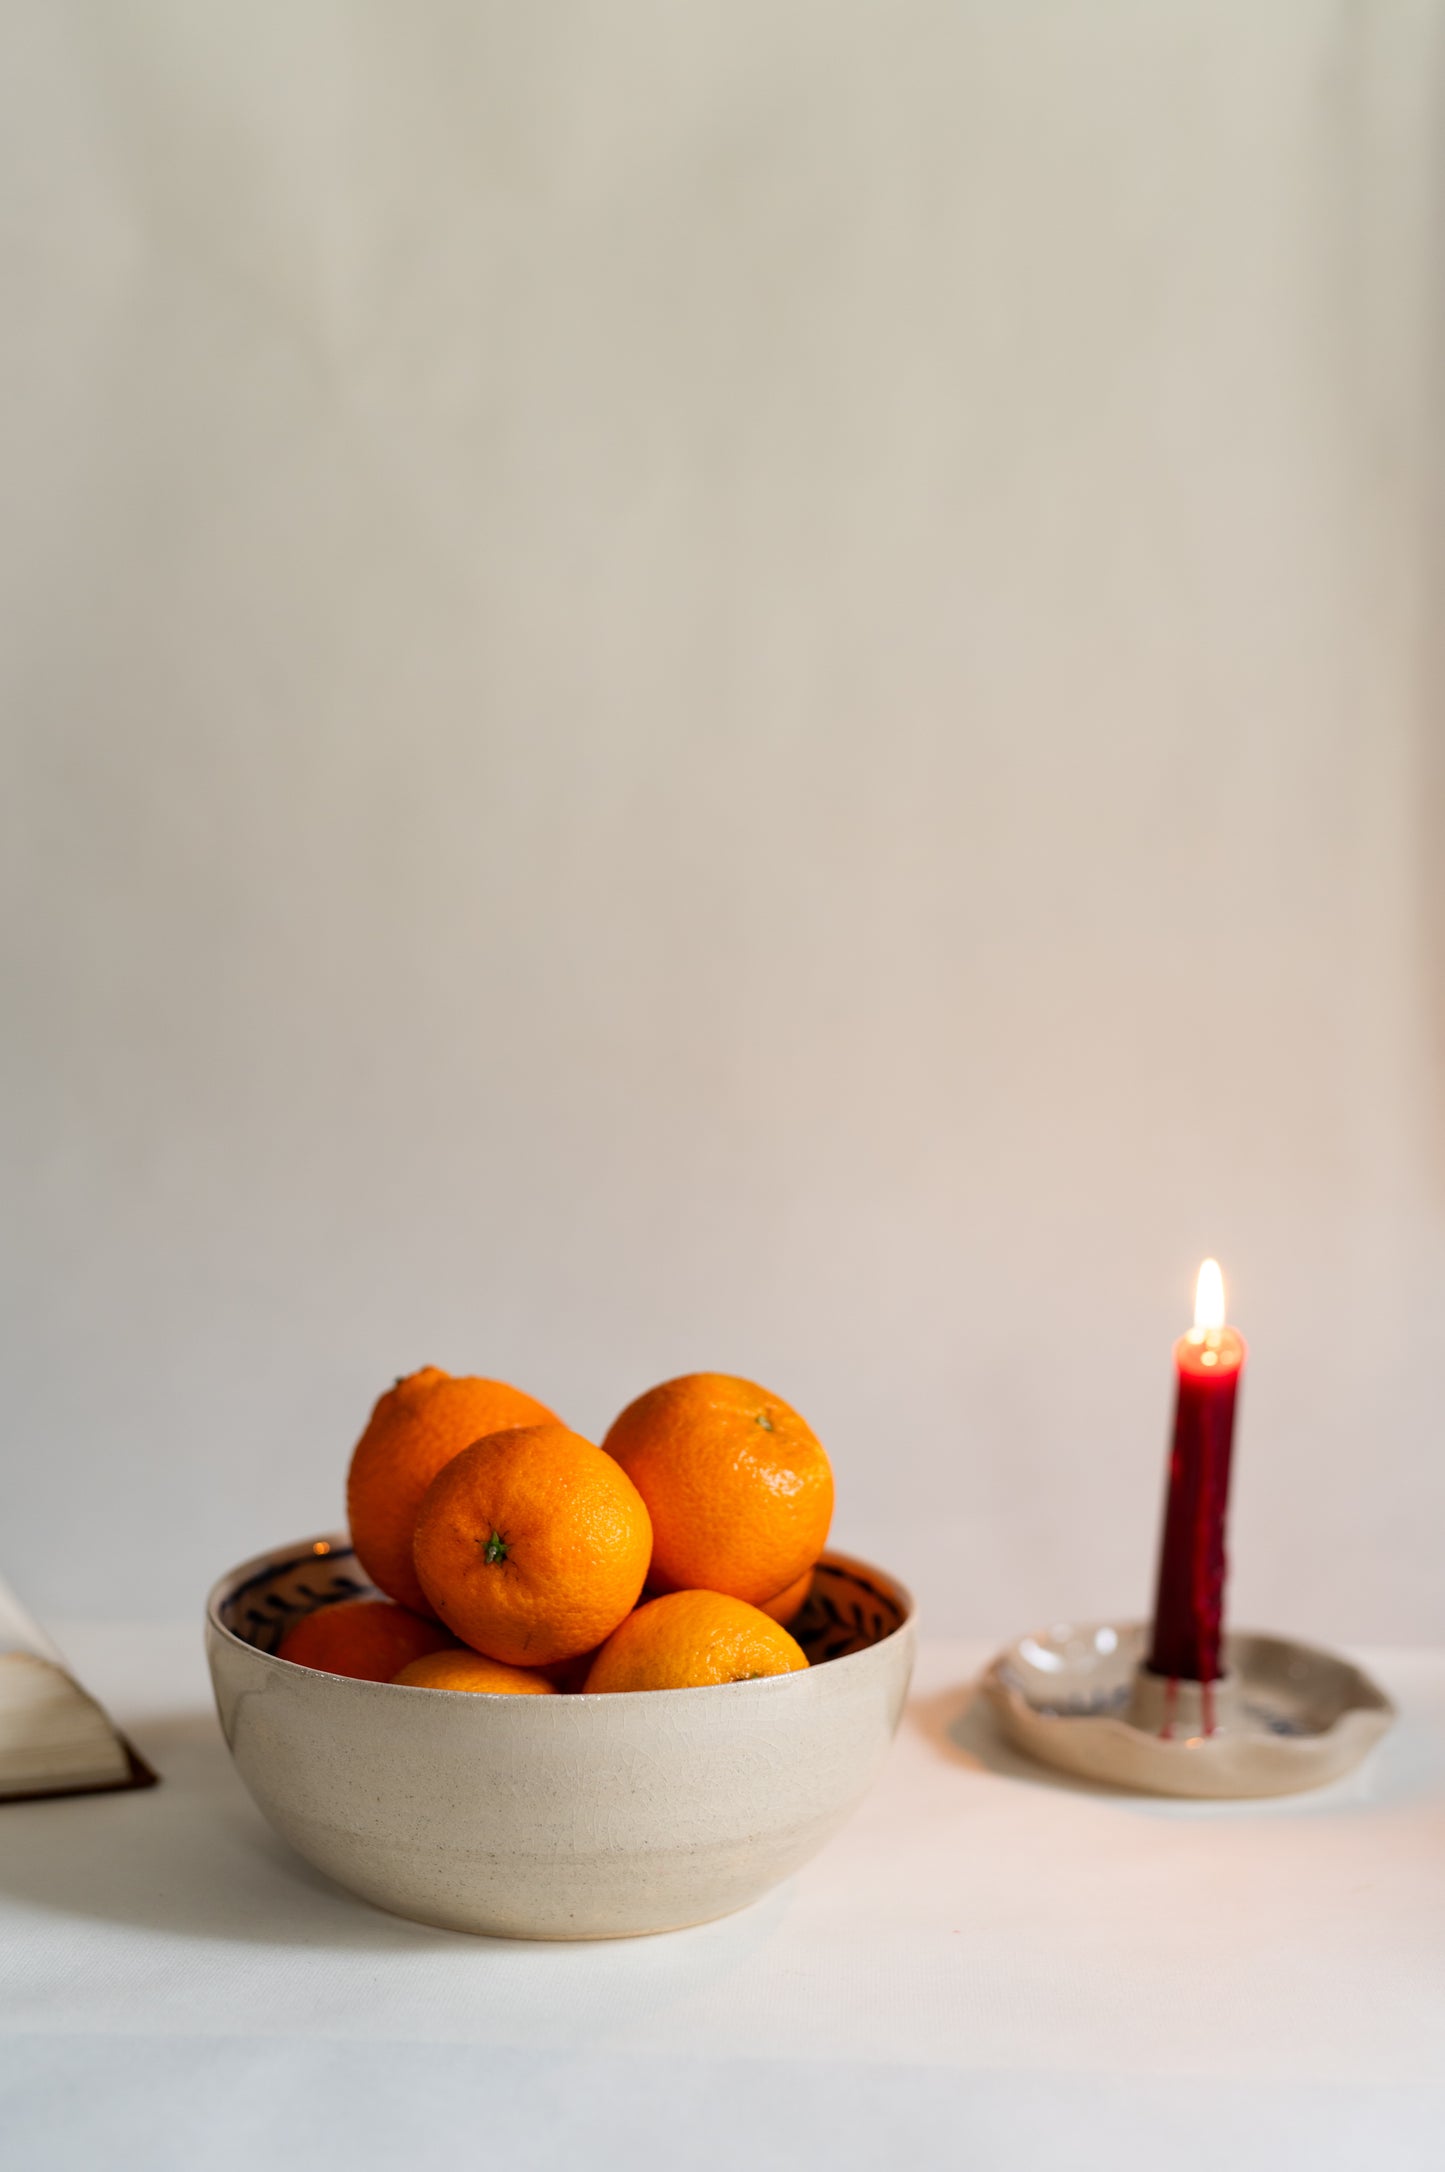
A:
<point x="847" y="1609"/>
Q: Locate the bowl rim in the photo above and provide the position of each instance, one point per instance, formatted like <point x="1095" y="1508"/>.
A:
<point x="327" y="1543"/>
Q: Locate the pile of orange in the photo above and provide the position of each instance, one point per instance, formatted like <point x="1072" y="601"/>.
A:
<point x="518" y="1558"/>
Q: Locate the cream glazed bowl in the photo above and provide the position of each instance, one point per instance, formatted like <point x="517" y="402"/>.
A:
<point x="556" y="1817"/>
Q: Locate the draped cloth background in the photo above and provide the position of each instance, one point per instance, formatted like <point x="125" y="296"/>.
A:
<point x="753" y="685"/>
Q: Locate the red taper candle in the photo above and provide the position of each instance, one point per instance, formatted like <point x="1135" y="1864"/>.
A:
<point x="1189" y="1604"/>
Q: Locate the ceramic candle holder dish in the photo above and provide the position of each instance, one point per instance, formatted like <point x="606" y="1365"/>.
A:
<point x="1285" y="1717"/>
<point x="556" y="1817"/>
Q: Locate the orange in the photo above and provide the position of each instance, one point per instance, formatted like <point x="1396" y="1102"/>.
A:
<point x="469" y="1670"/>
<point x="739" y="1491"/>
<point x="790" y="1603"/>
<point x="532" y="1545"/>
<point x="691" y="1639"/>
<point x="365" y="1638"/>
<point x="416" y="1427"/>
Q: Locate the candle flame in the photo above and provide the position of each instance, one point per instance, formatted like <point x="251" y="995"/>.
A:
<point x="1209" y="1297"/>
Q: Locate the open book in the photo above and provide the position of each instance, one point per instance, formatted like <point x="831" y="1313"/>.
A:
<point x="54" y="1738"/>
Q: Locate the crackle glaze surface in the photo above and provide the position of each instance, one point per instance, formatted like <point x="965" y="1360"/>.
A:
<point x="556" y="1817"/>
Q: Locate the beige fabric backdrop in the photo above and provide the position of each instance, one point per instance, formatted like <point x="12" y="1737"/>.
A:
<point x="743" y="685"/>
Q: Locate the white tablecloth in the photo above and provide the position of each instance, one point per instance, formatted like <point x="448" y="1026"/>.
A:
<point x="987" y="1968"/>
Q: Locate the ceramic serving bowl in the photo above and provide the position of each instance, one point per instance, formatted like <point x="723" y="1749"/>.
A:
<point x="555" y="1817"/>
